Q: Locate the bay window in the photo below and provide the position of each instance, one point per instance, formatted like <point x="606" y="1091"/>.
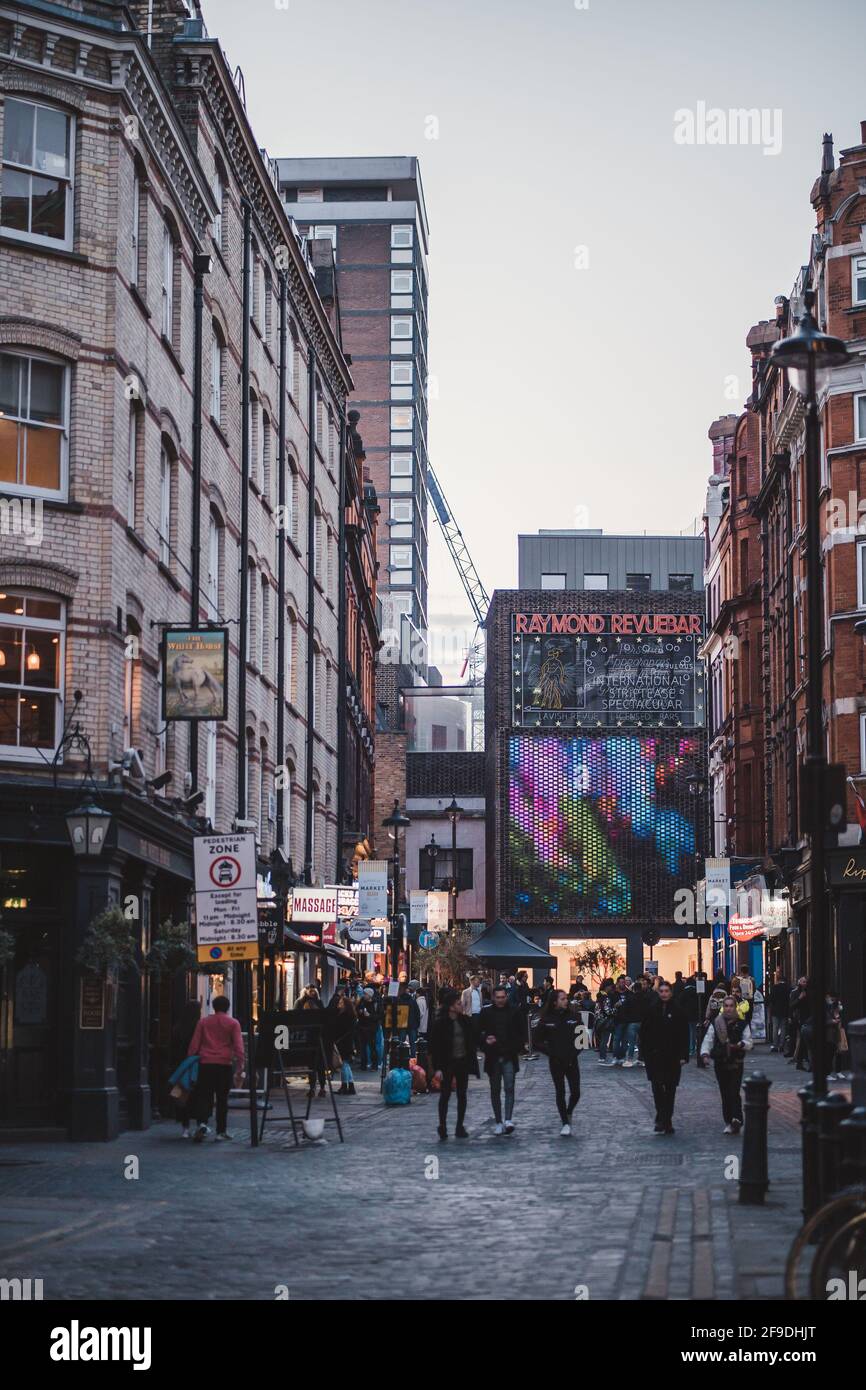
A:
<point x="34" y="424"/>
<point x="31" y="672"/>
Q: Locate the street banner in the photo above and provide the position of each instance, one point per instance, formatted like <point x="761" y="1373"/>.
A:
<point x="372" y="888"/>
<point x="195" y="673"/>
<point x="437" y="911"/>
<point x="314" y="905"/>
<point x="717" y="889"/>
<point x="226" y="903"/>
<point x="418" y="907"/>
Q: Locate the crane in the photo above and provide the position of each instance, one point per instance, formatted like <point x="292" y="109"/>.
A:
<point x="479" y="600"/>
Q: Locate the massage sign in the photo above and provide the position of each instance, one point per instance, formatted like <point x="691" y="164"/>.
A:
<point x="607" y="670"/>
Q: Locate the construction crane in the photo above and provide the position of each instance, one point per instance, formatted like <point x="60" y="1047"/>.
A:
<point x="479" y="600"/>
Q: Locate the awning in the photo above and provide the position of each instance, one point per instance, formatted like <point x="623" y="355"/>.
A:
<point x="293" y="942"/>
<point x="343" y="958"/>
<point x="501" y="945"/>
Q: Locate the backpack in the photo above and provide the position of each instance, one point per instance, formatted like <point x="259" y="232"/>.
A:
<point x="398" y="1087"/>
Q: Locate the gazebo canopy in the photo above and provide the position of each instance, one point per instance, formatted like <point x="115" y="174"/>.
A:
<point x="502" y="945"/>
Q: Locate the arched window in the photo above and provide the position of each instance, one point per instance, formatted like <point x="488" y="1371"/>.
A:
<point x="34" y="424"/>
<point x="291" y="655"/>
<point x="254" y="442"/>
<point x="169" y="257"/>
<point x="136" y="227"/>
<point x="266" y="471"/>
<point x="217" y="367"/>
<point x="265" y="793"/>
<point x="264" y="626"/>
<point x="268" y="313"/>
<point x="210" y="775"/>
<point x="32" y="637"/>
<point x="134" y="465"/>
<point x="250" y="777"/>
<point x="251" y="611"/>
<point x="131" y="686"/>
<point x="167" y="484"/>
<point x="219" y="226"/>
<point x="215" y="559"/>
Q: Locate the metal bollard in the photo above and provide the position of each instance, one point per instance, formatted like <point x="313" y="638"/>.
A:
<point x="852" y="1137"/>
<point x="809" y="1131"/>
<point x="754" y="1175"/>
<point x="829" y="1114"/>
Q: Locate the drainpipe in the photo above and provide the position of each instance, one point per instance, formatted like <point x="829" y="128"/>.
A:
<point x="245" y="518"/>
<point x="281" y="569"/>
<point x="201" y="267"/>
<point x="311" y="608"/>
<point x="341" y="642"/>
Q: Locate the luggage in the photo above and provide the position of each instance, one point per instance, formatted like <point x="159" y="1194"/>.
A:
<point x="398" y="1087"/>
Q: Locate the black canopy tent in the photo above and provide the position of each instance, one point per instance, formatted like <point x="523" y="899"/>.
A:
<point x="502" y="945"/>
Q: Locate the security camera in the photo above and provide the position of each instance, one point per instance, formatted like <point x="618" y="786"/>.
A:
<point x="157" y="783"/>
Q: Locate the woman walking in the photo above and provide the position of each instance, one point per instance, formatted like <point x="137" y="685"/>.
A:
<point x="556" y="1035"/>
<point x="452" y="1049"/>
<point x="727" y="1040"/>
<point x="340" y="1024"/>
<point x="311" y="1000"/>
<point x="181" y="1037"/>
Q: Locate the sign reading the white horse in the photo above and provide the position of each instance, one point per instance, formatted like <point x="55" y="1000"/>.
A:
<point x="195" y="673"/>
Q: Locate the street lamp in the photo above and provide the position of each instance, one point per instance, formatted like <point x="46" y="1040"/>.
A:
<point x="88" y="827"/>
<point x="454" y="812"/>
<point x="808" y="356"/>
<point x="433" y="851"/>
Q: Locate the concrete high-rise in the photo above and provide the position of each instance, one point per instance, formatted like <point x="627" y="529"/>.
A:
<point x="373" y="210"/>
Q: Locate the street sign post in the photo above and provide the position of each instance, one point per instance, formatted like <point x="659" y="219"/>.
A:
<point x="428" y="939"/>
<point x="226" y="905"/>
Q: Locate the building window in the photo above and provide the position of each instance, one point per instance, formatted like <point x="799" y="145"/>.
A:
<point x="401" y="556"/>
<point x="216" y="376"/>
<point x="437" y="874"/>
<point x="402" y="236"/>
<point x="250" y="645"/>
<point x="401" y="472"/>
<point x="291" y="362"/>
<point x="264" y="622"/>
<point x="861" y="574"/>
<point x="401" y="326"/>
<point x="36" y="203"/>
<point x="681" y="583"/>
<point x="31" y="671"/>
<point x="328" y="233"/>
<point x="135" y="243"/>
<point x="34" y="424"/>
<point x="268" y="291"/>
<point x="401" y="417"/>
<point x="402" y="373"/>
<point x="168" y="272"/>
<point x="553" y="581"/>
<point x="165" y="491"/>
<point x="134" y="453"/>
<point x="638" y="583"/>
<point x="219" y="192"/>
<point x="858" y="279"/>
<point x="401" y="281"/>
<point x="214" y="564"/>
<point x="210" y="771"/>
<point x="595" y="581"/>
<point x="863" y="742"/>
<point x="860" y="417"/>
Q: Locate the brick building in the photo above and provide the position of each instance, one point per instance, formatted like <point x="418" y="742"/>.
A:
<point x="133" y="191"/>
<point x="594" y="734"/>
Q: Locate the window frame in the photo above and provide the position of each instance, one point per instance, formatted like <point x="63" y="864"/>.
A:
<point x="855" y="276"/>
<point x="27" y="489"/>
<point x="396" y="229"/>
<point x="859" y="417"/>
<point x="36" y="238"/>
<point x="29" y="752"/>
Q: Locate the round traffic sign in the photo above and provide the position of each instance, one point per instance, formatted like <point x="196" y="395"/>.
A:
<point x="215" y="952"/>
<point x="428" y="939"/>
<point x="225" y="871"/>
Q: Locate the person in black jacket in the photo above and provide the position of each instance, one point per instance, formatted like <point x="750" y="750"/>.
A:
<point x="664" y="1046"/>
<point x="556" y="1034"/>
<point x="780" y="996"/>
<point x="501" y="1034"/>
<point x="452" y="1050"/>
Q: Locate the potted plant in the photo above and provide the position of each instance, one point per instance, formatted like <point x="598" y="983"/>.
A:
<point x="108" y="944"/>
<point x="171" y="949"/>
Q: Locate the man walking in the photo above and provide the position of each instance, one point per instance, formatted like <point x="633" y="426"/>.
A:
<point x="780" y="998"/>
<point x="726" y="1041"/>
<point x="664" y="1046"/>
<point x="472" y="1004"/>
<point x="216" y="1041"/>
<point x="452" y="1050"/>
<point x="501" y="1034"/>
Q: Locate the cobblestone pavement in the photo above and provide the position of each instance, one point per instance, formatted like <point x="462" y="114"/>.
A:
<point x="625" y="1213"/>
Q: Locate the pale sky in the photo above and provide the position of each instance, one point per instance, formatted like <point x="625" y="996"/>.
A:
<point x="592" y="280"/>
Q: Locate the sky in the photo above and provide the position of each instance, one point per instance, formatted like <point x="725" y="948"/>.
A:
<point x="594" y="264"/>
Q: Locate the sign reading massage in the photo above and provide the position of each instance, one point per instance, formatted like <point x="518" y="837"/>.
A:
<point x="195" y="673"/>
<point x="606" y="670"/>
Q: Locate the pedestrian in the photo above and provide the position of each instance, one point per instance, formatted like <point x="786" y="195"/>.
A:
<point x="310" y="1001"/>
<point x="556" y="1034"/>
<point x="366" y="1016"/>
<point x="630" y="1016"/>
<point x="501" y="1033"/>
<point x="472" y="1002"/>
<point x="664" y="1046"/>
<point x="689" y="1002"/>
<point x="546" y="989"/>
<point x="801" y="1013"/>
<point x="340" y="1029"/>
<point x="406" y="1000"/>
<point x="727" y="1040"/>
<point x="780" y="996"/>
<point x="181" y="1037"/>
<point x="454" y="1060"/>
<point x="217" y="1042"/>
<point x="605" y="1007"/>
<point x="746" y="981"/>
<point x="679" y="984"/>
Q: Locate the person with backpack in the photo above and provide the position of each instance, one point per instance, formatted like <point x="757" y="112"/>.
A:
<point x="727" y="1040"/>
<point x="454" y="1059"/>
<point x="664" y="1046"/>
<point x="217" y="1042"/>
<point x="500" y="1032"/>
<point x="557" y="1035"/>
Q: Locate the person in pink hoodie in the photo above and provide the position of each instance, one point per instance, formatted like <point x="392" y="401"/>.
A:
<point x="217" y="1042"/>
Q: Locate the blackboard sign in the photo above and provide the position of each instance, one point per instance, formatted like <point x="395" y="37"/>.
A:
<point x="92" y="1011"/>
<point x="271" y="929"/>
<point x="295" y="1034"/>
<point x="589" y="674"/>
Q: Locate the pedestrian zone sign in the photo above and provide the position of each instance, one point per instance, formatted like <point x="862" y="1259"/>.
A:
<point x="226" y="902"/>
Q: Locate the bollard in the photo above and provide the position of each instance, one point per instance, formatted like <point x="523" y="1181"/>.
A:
<point x="403" y="1055"/>
<point x="809" y="1131"/>
<point x="830" y="1112"/>
<point x="754" y="1176"/>
<point x="852" y="1137"/>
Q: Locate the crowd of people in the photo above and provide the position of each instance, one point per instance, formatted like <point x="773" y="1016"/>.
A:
<point x="647" y="1022"/>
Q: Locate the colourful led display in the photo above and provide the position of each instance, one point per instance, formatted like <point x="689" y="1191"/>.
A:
<point x="599" y="827"/>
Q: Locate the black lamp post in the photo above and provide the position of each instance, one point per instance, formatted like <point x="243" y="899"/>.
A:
<point x="454" y="812"/>
<point x="808" y="355"/>
<point x="88" y="827"/>
<point x="433" y="851"/>
<point x="397" y="821"/>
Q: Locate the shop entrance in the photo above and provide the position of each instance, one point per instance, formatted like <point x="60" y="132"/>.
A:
<point x="595" y="958"/>
<point x="675" y="954"/>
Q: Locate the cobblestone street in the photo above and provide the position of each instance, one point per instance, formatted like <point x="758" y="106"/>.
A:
<point x="617" y="1209"/>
